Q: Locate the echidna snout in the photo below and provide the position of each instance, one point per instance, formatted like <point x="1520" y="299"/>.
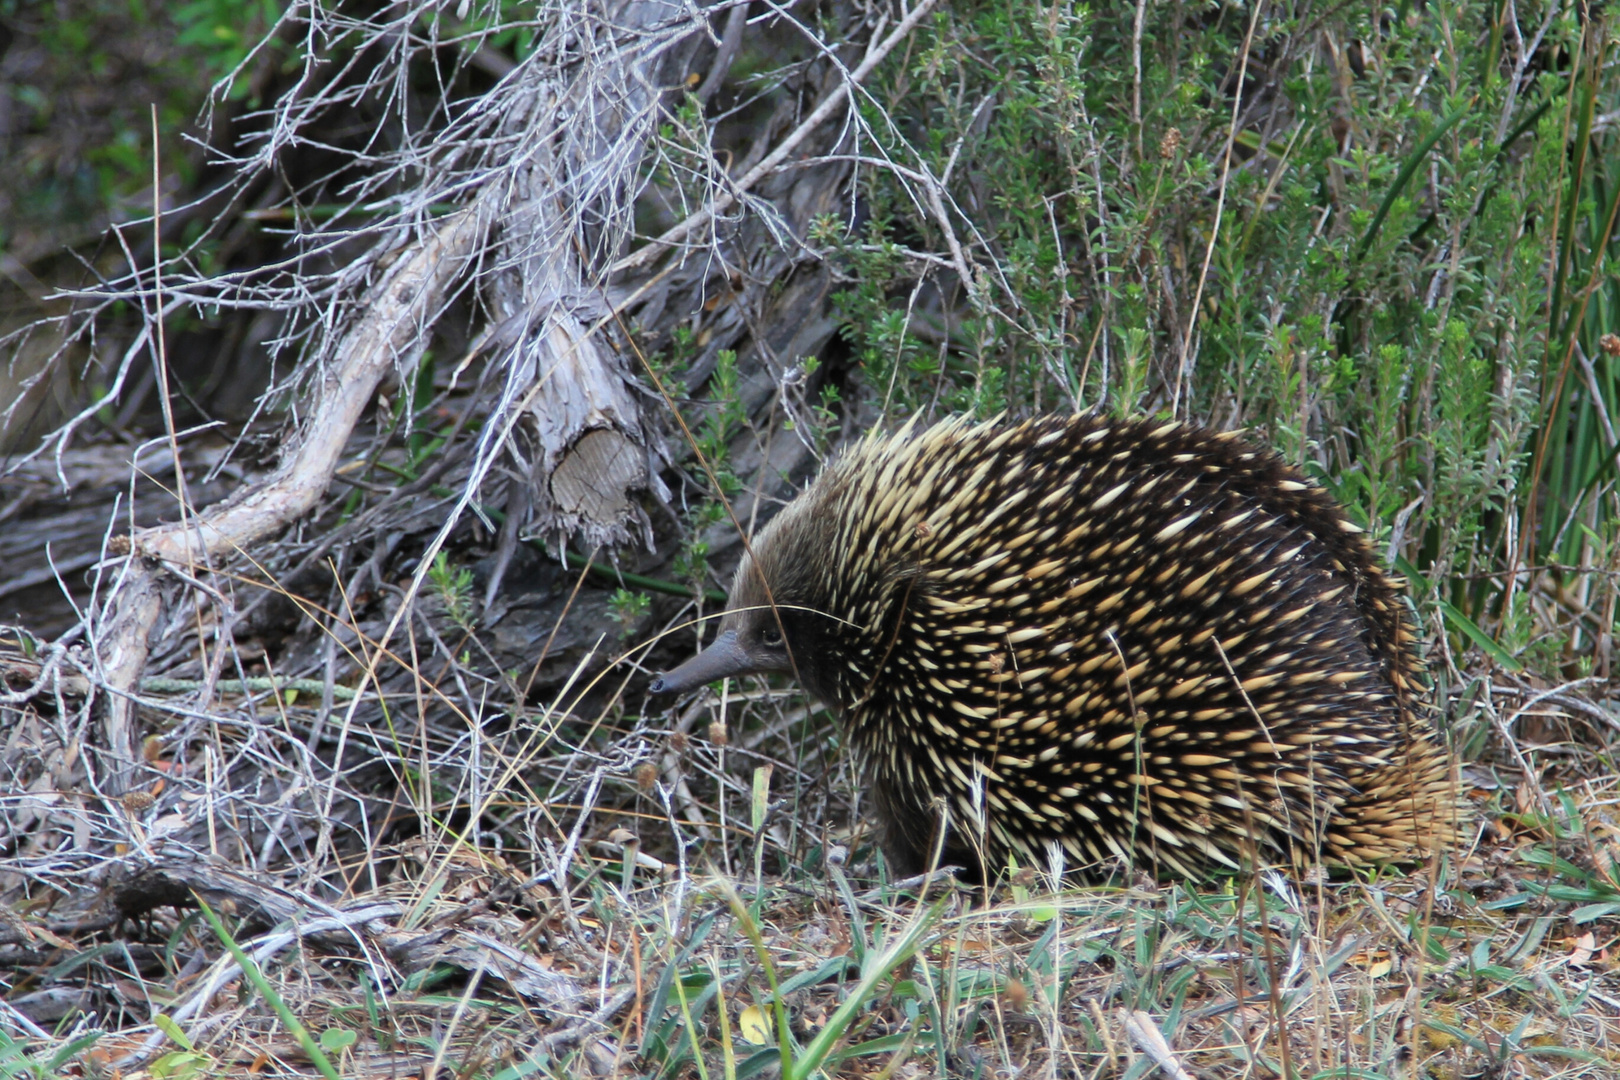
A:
<point x="752" y="641"/>
<point x="1091" y="640"/>
<point x="740" y="650"/>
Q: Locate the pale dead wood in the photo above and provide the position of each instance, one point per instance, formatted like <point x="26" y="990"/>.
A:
<point x="390" y="333"/>
<point x="1144" y="1032"/>
<point x="591" y="447"/>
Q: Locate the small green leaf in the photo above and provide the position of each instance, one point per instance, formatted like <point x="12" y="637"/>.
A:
<point x="181" y="1065"/>
<point x="1592" y="912"/>
<point x="1469" y="630"/>
<point x="173" y="1030"/>
<point x="762" y="796"/>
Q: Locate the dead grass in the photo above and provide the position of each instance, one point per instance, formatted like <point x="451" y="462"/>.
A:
<point x="706" y="863"/>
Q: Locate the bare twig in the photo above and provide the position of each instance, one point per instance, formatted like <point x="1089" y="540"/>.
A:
<point x="1144" y="1032"/>
<point x="724" y="200"/>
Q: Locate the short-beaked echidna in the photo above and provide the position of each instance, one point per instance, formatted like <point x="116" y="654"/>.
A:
<point x="1129" y="639"/>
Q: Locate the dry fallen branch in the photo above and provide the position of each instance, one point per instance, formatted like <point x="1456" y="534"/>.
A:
<point x="1144" y="1032"/>
<point x="399" y="306"/>
<point x="369" y="925"/>
<point x="552" y="175"/>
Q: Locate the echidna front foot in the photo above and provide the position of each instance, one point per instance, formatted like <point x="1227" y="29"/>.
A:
<point x="908" y="833"/>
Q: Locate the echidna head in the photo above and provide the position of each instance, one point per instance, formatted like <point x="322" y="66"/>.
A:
<point x="775" y="618"/>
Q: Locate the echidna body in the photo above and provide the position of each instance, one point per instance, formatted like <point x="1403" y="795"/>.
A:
<point x="1094" y="639"/>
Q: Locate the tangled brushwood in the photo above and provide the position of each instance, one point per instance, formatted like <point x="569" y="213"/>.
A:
<point x="1085" y="639"/>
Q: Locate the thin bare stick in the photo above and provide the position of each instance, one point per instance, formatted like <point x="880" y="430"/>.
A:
<point x="724" y="200"/>
<point x="1220" y="209"/>
<point x="1144" y="1032"/>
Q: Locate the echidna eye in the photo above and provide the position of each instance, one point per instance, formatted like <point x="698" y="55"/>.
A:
<point x="772" y="637"/>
